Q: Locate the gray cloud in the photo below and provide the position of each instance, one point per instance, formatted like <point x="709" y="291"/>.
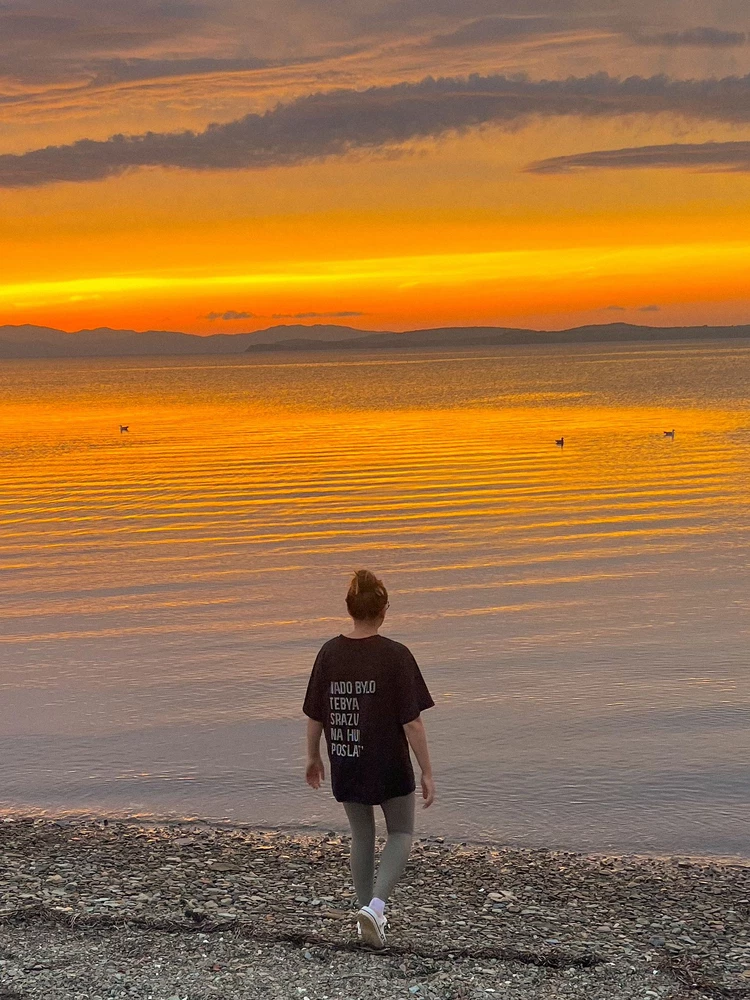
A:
<point x="316" y="315"/>
<point x="404" y="17"/>
<point x="701" y="37"/>
<point x="649" y="309"/>
<point x="490" y="30"/>
<point x="88" y="32"/>
<point x="181" y="9"/>
<point x="398" y="14"/>
<point x="617" y="309"/>
<point x="231" y="314"/>
<point x="730" y="156"/>
<point x="40" y="44"/>
<point x="45" y="41"/>
<point x="34" y="27"/>
<point x="336" y="123"/>
<point x="130" y="70"/>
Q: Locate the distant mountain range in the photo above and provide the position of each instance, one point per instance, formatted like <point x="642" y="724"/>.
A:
<point x="495" y="336"/>
<point x="46" y="342"/>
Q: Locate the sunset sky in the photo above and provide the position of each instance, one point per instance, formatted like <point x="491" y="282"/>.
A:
<point x="388" y="164"/>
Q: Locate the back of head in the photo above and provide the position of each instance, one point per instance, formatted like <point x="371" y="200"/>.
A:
<point x="367" y="597"/>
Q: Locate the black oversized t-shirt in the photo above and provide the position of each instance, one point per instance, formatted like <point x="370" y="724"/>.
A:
<point x="363" y="691"/>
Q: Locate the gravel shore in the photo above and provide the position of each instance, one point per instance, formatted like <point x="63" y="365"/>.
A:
<point x="95" y="911"/>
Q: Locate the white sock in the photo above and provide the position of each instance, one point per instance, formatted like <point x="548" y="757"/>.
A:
<point x="378" y="905"/>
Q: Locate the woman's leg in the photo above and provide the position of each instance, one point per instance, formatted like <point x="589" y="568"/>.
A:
<point x="362" y="859"/>
<point x="399" y="820"/>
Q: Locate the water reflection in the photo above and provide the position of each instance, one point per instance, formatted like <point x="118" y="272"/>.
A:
<point x="581" y="613"/>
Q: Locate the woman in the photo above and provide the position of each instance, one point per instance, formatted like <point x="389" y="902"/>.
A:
<point x="366" y="693"/>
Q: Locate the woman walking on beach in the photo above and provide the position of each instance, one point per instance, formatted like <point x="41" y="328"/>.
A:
<point x="366" y="694"/>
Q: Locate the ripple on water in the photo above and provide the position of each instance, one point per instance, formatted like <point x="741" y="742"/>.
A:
<point x="580" y="613"/>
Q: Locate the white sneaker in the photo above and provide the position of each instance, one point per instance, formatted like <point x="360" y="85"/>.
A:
<point x="371" y="928"/>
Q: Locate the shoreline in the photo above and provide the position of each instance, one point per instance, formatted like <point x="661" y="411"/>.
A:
<point x="83" y="818"/>
<point x="243" y="912"/>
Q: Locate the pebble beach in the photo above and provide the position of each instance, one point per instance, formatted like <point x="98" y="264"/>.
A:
<point x="95" y="910"/>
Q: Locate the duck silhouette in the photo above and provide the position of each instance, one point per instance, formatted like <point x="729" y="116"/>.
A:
<point x="669" y="434"/>
<point x="123" y="428"/>
<point x="560" y="442"/>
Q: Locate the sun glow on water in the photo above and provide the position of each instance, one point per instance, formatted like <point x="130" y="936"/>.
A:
<point x="175" y="580"/>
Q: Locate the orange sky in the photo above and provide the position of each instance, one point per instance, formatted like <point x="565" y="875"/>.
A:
<point x="443" y="225"/>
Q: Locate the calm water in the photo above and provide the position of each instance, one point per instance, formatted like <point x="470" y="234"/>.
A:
<point x="581" y="615"/>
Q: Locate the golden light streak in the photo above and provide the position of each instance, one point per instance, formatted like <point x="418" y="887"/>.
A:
<point x="583" y="264"/>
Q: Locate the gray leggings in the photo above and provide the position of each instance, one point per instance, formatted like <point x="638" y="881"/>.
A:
<point x="399" y="821"/>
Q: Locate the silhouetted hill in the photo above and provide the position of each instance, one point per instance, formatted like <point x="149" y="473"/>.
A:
<point x="492" y="336"/>
<point x="47" y="342"/>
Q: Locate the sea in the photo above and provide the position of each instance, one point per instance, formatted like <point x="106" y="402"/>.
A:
<point x="579" y="612"/>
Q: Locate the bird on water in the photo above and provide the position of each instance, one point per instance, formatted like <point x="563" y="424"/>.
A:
<point x="560" y="442"/>
<point x="669" y="434"/>
<point x="123" y="428"/>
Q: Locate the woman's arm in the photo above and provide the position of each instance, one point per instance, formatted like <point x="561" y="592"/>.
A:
<point x="314" y="772"/>
<point x="417" y="737"/>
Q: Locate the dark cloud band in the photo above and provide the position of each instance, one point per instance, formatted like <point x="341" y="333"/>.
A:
<point x="112" y="71"/>
<point x="230" y="314"/>
<point x="318" y="315"/>
<point x="728" y="156"/>
<point x="696" y="37"/>
<point x="336" y="123"/>
<point x="491" y="30"/>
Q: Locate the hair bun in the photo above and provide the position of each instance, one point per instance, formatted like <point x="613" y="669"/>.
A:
<point x="367" y="597"/>
<point x="364" y="582"/>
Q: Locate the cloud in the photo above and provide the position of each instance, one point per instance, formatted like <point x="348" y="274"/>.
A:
<point x="489" y="30"/>
<point x="45" y="45"/>
<point x="46" y="42"/>
<point x="715" y="156"/>
<point x="643" y="309"/>
<point x="180" y="9"/>
<point x="316" y="315"/>
<point x="231" y="314"/>
<point x="111" y="71"/>
<point x="336" y="123"/>
<point x="34" y="27"/>
<point x="89" y="31"/>
<point x="700" y="37"/>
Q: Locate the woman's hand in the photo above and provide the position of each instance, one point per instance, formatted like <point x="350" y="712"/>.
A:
<point x="428" y="790"/>
<point x="315" y="772"/>
<point x="417" y="738"/>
